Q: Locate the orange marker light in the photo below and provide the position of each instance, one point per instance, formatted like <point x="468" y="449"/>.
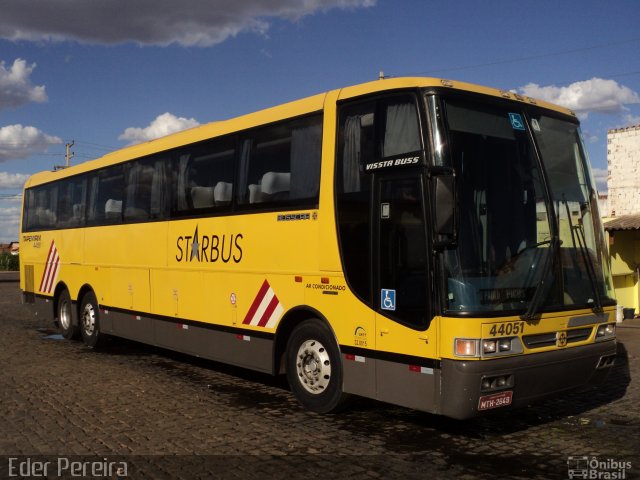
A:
<point x="465" y="347"/>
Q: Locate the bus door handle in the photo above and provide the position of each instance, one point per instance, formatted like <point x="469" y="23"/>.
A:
<point x="424" y="338"/>
<point x="383" y="331"/>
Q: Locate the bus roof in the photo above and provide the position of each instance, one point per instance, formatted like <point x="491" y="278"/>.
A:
<point x="287" y="110"/>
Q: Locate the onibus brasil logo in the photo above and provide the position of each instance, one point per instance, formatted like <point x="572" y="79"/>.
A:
<point x="590" y="467"/>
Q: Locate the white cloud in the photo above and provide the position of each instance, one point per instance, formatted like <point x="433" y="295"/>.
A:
<point x="590" y="137"/>
<point x="600" y="176"/>
<point x="15" y="86"/>
<point x="595" y="95"/>
<point x="10" y="221"/>
<point x="152" y="22"/>
<point x="630" y="120"/>
<point x="164" y="124"/>
<point x="11" y="211"/>
<point x="18" y="142"/>
<point x="12" y="180"/>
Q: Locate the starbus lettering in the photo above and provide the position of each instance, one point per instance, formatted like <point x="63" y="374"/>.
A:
<point x="209" y="248"/>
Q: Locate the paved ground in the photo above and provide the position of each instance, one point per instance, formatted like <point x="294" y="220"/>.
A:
<point x="171" y="416"/>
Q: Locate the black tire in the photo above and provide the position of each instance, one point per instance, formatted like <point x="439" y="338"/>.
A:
<point x="314" y="367"/>
<point x="90" y="321"/>
<point x="64" y="314"/>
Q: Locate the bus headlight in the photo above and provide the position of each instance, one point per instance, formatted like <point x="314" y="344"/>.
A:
<point x="504" y="344"/>
<point x="495" y="347"/>
<point x="606" y="332"/>
<point x="489" y="346"/>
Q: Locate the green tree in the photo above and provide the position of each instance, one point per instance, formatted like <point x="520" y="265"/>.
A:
<point x="9" y="262"/>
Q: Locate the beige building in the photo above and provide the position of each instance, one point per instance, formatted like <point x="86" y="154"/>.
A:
<point x="623" y="213"/>
<point x="623" y="182"/>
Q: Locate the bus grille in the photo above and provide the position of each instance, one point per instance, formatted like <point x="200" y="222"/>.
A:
<point x="540" y="340"/>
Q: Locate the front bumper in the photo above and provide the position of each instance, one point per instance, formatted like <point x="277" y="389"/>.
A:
<point x="533" y="376"/>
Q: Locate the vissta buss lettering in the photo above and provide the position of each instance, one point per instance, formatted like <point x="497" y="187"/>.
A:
<point x="210" y="248"/>
<point x="392" y="163"/>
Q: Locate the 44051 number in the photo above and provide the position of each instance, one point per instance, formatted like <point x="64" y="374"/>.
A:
<point x="510" y="328"/>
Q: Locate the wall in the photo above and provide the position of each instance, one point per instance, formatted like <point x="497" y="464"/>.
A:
<point x="625" y="259"/>
<point x="623" y="158"/>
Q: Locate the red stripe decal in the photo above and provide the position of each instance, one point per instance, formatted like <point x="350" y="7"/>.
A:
<point x="46" y="268"/>
<point x="54" y="271"/>
<point x="256" y="302"/>
<point x="50" y="266"/>
<point x="267" y="313"/>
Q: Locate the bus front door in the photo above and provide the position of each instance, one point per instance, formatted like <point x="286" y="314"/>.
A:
<point x="403" y="292"/>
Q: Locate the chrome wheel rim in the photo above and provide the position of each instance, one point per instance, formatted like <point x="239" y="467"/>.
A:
<point x="65" y="314"/>
<point x="313" y="366"/>
<point x="88" y="319"/>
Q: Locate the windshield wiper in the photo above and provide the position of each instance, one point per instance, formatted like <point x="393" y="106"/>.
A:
<point x="541" y="289"/>
<point x="581" y="244"/>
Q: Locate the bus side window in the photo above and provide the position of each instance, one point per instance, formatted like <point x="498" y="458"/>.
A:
<point x="29" y="209"/>
<point x="137" y="190"/>
<point x="205" y="177"/>
<point x="71" y="202"/>
<point x="145" y="189"/>
<point x="280" y="164"/>
<point x="42" y="204"/>
<point x="356" y="146"/>
<point x="105" y="196"/>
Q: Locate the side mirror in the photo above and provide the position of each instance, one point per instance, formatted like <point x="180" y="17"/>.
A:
<point x="443" y="182"/>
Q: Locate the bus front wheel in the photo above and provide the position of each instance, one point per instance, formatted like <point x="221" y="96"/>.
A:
<point x="314" y="368"/>
<point x="90" y="321"/>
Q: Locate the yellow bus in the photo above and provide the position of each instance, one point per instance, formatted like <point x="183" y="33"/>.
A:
<point x="424" y="242"/>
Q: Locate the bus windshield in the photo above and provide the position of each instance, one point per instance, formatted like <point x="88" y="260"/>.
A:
<point x="522" y="227"/>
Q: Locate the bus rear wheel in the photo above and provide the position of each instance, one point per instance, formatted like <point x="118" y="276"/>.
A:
<point x="90" y="321"/>
<point x="314" y="368"/>
<point x="65" y="316"/>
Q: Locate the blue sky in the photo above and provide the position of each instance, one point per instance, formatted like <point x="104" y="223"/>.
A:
<point x="104" y="77"/>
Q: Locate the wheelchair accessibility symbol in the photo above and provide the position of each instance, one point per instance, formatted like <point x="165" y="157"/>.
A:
<point x="387" y="299"/>
<point x="516" y="121"/>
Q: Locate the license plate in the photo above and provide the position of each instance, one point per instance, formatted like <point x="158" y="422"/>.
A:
<point x="496" y="400"/>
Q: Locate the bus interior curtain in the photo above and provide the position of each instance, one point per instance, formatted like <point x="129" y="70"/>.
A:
<point x="245" y="158"/>
<point x="401" y="133"/>
<point x="305" y="161"/>
<point x="132" y="183"/>
<point x="183" y="182"/>
<point x="93" y="198"/>
<point x="158" y="188"/>
<point x="351" y="154"/>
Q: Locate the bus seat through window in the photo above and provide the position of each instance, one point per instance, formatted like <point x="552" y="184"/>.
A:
<point x="202" y="197"/>
<point x="222" y="193"/>
<point x="276" y="185"/>
<point x="255" y="193"/>
<point x="113" y="208"/>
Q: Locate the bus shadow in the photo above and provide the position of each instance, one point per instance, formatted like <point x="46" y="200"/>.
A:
<point x="244" y="387"/>
<point x="250" y="389"/>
